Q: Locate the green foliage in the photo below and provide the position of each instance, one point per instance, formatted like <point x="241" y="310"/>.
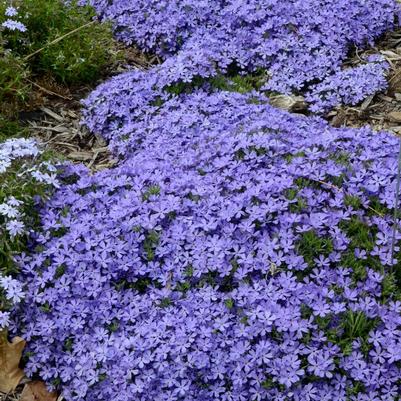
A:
<point x="150" y="245"/>
<point x="360" y="234"/>
<point x="74" y="58"/>
<point x="341" y="158"/>
<point x="14" y="89"/>
<point x="311" y="246"/>
<point x="232" y="83"/>
<point x="353" y="201"/>
<point x="10" y="128"/>
<point x="153" y="190"/>
<point x="356" y="326"/>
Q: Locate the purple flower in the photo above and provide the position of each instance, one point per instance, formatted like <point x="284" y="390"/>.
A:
<point x="213" y="259"/>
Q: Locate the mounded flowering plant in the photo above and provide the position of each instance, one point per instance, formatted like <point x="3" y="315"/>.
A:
<point x="27" y="179"/>
<point x="297" y="42"/>
<point x="238" y="252"/>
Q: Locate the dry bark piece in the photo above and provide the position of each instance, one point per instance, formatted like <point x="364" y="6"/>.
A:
<point x="366" y="103"/>
<point x="390" y="55"/>
<point x="394" y="116"/>
<point x="37" y="391"/>
<point x="10" y="356"/>
<point x="386" y="98"/>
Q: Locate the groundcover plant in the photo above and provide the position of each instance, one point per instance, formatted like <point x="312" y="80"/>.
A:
<point x="237" y="252"/>
<point x="297" y="42"/>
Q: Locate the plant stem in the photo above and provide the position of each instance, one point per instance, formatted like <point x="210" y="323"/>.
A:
<point x="59" y="39"/>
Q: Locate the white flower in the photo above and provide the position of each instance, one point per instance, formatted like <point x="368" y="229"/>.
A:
<point x="8" y="211"/>
<point x="13" y="289"/>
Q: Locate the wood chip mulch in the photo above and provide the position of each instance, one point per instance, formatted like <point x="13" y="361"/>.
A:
<point x="59" y="129"/>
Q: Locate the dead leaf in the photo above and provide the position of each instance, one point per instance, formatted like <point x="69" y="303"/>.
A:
<point x="37" y="391"/>
<point x="394" y="116"/>
<point x="10" y="356"/>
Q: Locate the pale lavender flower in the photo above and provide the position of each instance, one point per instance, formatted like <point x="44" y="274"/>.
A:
<point x="14" y="25"/>
<point x="11" y="12"/>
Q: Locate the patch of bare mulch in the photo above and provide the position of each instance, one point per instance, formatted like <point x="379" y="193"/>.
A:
<point x="14" y="395"/>
<point x="58" y="128"/>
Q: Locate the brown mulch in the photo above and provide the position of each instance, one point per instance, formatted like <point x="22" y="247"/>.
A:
<point x="60" y="130"/>
<point x="17" y="395"/>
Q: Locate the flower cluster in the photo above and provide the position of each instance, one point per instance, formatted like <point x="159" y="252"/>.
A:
<point x="11" y="22"/>
<point x="298" y="42"/>
<point x="25" y="179"/>
<point x="18" y="168"/>
<point x="237" y="252"/>
<point x="349" y="86"/>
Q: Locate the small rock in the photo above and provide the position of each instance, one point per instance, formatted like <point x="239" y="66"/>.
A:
<point x="289" y="103"/>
